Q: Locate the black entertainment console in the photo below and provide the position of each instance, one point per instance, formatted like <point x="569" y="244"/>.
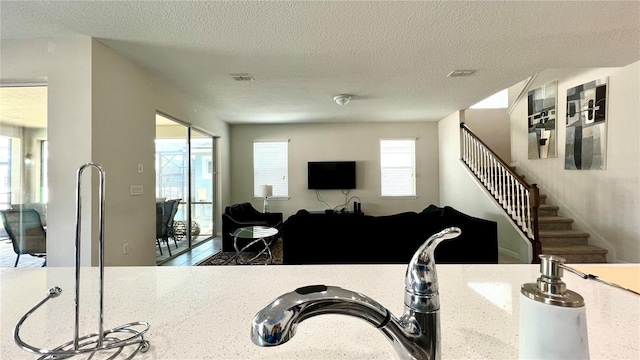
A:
<point x="357" y="210"/>
<point x="331" y="212"/>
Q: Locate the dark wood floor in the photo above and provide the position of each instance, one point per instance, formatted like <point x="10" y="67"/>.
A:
<point x="196" y="254"/>
<point x="189" y="258"/>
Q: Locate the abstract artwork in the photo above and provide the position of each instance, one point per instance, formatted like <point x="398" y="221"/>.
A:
<point x="586" y="126"/>
<point x="542" y="121"/>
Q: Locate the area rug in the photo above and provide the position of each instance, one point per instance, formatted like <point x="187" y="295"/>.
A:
<point x="229" y="257"/>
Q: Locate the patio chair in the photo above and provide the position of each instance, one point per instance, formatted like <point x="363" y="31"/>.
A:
<point x="165" y="212"/>
<point x="24" y="227"/>
<point x="174" y="210"/>
<point x="41" y="208"/>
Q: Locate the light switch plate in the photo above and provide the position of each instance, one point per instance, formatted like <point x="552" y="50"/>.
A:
<point x="140" y="168"/>
<point x="136" y="190"/>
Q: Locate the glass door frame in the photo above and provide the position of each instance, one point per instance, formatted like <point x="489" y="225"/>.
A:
<point x="190" y="174"/>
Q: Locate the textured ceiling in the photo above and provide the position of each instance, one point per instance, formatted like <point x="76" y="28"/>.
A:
<point x="392" y="56"/>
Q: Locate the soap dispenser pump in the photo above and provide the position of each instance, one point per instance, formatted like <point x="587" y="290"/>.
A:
<point x="553" y="322"/>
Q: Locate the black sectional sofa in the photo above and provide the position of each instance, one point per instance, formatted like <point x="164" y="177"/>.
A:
<point x="342" y="238"/>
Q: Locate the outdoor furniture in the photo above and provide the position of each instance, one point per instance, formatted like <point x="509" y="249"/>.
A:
<point x="41" y="208"/>
<point x="165" y="212"/>
<point x="24" y="227"/>
<point x="180" y="229"/>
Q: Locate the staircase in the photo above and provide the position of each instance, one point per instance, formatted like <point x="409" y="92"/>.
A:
<point x="549" y="233"/>
<point x="558" y="237"/>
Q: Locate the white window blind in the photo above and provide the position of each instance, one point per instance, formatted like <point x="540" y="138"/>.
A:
<point x="398" y="167"/>
<point x="271" y="166"/>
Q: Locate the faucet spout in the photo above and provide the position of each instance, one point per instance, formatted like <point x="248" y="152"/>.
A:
<point x="277" y="322"/>
<point x="415" y="335"/>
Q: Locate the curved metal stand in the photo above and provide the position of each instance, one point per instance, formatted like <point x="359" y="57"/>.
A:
<point x="266" y="249"/>
<point x="116" y="339"/>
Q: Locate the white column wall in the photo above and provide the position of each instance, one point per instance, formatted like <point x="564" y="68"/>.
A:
<point x="492" y="127"/>
<point x="101" y="108"/>
<point x="65" y="65"/>
<point x="125" y="101"/>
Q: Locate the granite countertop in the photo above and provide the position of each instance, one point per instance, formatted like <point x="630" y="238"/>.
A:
<point x="205" y="312"/>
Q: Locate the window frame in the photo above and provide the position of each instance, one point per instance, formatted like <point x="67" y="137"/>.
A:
<point x="413" y="194"/>
<point x="255" y="184"/>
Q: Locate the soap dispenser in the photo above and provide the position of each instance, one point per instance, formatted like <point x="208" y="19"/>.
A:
<point x="553" y="321"/>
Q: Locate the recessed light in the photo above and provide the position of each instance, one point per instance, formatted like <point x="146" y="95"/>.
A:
<point x="460" y="73"/>
<point x="242" y="77"/>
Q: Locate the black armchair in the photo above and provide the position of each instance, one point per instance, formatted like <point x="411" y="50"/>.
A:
<point x="244" y="214"/>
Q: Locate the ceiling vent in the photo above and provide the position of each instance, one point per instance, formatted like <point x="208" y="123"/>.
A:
<point x="242" y="77"/>
<point x="460" y="73"/>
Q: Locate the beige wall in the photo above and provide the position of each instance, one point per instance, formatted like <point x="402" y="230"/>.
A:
<point x="336" y="142"/>
<point x="460" y="190"/>
<point x="492" y="127"/>
<point x="605" y="203"/>
<point x="125" y="101"/>
<point x="65" y="65"/>
<point x="102" y="109"/>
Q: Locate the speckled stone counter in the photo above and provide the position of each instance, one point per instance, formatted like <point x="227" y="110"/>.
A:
<point x="206" y="312"/>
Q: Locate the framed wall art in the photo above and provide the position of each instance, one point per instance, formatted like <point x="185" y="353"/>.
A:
<point x="542" y="103"/>
<point x="586" y="126"/>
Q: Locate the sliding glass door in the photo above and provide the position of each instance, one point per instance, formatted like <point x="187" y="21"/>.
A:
<point x="202" y="186"/>
<point x="185" y="171"/>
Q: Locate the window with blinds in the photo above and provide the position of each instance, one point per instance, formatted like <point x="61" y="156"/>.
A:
<point x="398" y="167"/>
<point x="271" y="167"/>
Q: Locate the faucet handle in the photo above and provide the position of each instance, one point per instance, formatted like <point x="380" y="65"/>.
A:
<point x="421" y="280"/>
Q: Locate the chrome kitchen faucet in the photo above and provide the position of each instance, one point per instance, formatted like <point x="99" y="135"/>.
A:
<point x="415" y="335"/>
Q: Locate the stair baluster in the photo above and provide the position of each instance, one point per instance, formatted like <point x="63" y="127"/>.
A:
<point x="519" y="199"/>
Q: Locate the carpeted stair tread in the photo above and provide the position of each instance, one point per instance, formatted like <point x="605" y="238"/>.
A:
<point x="563" y="237"/>
<point x="548" y="210"/>
<point x="562" y="233"/>
<point x="548" y="207"/>
<point x="573" y="249"/>
<point x="554" y="219"/>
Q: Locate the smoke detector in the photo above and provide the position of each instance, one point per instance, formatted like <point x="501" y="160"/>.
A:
<point x="342" y="99"/>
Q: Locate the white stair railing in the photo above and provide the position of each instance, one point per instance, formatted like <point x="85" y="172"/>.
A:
<point x="518" y="199"/>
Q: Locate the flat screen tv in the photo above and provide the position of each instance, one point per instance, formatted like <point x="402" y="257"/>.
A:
<point x="328" y="175"/>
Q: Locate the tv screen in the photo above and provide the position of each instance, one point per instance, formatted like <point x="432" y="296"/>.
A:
<point x="326" y="175"/>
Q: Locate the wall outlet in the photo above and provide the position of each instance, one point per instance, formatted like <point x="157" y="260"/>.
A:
<point x="125" y="248"/>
